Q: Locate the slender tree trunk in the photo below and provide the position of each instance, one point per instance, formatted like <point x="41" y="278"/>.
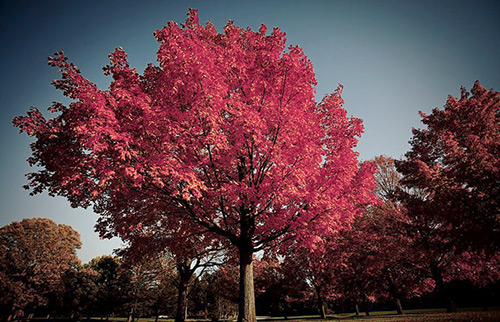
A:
<point x="399" y="307"/>
<point x="322" y="309"/>
<point x="246" y="295"/>
<point x="356" y="308"/>
<point x="157" y="316"/>
<point x="285" y="310"/>
<point x="451" y="307"/>
<point x="438" y="278"/>
<point x="367" y="309"/>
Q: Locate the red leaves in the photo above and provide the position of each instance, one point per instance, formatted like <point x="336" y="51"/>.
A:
<point x="456" y="160"/>
<point x="225" y="129"/>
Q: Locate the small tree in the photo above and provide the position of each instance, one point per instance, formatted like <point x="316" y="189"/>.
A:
<point x="34" y="254"/>
<point x="223" y="134"/>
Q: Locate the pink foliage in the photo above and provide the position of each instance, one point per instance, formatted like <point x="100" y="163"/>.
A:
<point x="225" y="127"/>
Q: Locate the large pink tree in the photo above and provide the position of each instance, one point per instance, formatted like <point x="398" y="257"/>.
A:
<point x="224" y="133"/>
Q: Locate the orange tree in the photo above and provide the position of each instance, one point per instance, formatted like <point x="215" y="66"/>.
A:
<point x="34" y="254"/>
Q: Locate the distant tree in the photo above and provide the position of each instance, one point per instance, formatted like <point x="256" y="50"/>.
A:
<point x="278" y="287"/>
<point x="383" y="258"/>
<point x="392" y="265"/>
<point x="455" y="161"/>
<point x="219" y="288"/>
<point x="34" y="254"/>
<point x="224" y="134"/>
<point x="113" y="285"/>
<point x="191" y="253"/>
<point x="81" y="290"/>
<point x="318" y="268"/>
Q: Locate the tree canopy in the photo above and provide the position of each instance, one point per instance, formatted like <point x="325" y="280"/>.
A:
<point x="34" y="254"/>
<point x="455" y="163"/>
<point x="224" y="134"/>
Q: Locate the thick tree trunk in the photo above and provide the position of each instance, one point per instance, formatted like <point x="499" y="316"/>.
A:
<point x="246" y="295"/>
<point x="399" y="307"/>
<point x="180" y="315"/>
<point x="185" y="274"/>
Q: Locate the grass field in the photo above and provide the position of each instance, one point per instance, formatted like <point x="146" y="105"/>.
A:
<point x="421" y="315"/>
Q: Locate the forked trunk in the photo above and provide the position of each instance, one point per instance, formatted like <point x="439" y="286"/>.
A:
<point x="246" y="295"/>
<point x="399" y="307"/>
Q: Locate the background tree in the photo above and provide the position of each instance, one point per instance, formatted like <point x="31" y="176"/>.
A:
<point x="34" y="254"/>
<point x="224" y="133"/>
<point x="278" y="287"/>
<point x="455" y="160"/>
<point x="219" y="289"/>
<point x="452" y="174"/>
<point x="319" y="268"/>
<point x="191" y="253"/>
<point x="80" y="291"/>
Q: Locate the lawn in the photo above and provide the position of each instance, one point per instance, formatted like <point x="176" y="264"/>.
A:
<point x="421" y="315"/>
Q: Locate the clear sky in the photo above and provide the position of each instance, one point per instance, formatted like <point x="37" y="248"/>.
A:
<point x="394" y="58"/>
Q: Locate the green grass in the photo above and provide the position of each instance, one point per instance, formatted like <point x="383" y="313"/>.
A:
<point x="470" y="316"/>
<point x="418" y="315"/>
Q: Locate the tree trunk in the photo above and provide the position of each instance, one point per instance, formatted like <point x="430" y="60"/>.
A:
<point x="451" y="307"/>
<point x="356" y="308"/>
<point x="322" y="309"/>
<point x="399" y="307"/>
<point x="180" y="315"/>
<point x="185" y="274"/>
<point x="246" y="296"/>
<point x="368" y="307"/>
<point x="285" y="310"/>
<point x="444" y="291"/>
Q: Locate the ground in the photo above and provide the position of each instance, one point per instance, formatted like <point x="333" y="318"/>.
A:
<point x="430" y="315"/>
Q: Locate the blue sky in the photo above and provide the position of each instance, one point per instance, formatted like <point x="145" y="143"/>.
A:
<point x="394" y="58"/>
